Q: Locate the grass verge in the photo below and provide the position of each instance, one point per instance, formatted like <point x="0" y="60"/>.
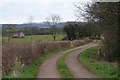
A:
<point x="62" y="67"/>
<point x="100" y="68"/>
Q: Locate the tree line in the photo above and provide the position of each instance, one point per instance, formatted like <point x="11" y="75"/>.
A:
<point x="77" y="30"/>
<point x="105" y="15"/>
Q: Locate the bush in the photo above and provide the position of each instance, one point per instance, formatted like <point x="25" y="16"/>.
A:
<point x="24" y="54"/>
<point x="78" y="30"/>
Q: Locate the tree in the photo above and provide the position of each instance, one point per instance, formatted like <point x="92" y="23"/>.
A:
<point x="72" y="31"/>
<point x="77" y="30"/>
<point x="105" y="15"/>
<point x="53" y="21"/>
<point x="30" y="26"/>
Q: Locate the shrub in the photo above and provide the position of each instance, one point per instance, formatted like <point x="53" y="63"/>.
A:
<point x="24" y="53"/>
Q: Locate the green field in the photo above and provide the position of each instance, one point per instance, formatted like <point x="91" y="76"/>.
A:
<point x="34" y="38"/>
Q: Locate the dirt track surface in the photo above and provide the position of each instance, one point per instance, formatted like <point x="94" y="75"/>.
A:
<point x="78" y="70"/>
<point x="49" y="70"/>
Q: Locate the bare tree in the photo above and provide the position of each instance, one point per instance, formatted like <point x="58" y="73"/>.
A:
<point x="53" y="21"/>
<point x="30" y="25"/>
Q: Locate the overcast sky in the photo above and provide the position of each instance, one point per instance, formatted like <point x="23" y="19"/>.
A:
<point x="18" y="11"/>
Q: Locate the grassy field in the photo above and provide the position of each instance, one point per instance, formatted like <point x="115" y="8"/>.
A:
<point x="34" y="38"/>
<point x="100" y="68"/>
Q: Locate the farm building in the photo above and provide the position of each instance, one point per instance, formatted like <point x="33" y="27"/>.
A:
<point x="19" y="35"/>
